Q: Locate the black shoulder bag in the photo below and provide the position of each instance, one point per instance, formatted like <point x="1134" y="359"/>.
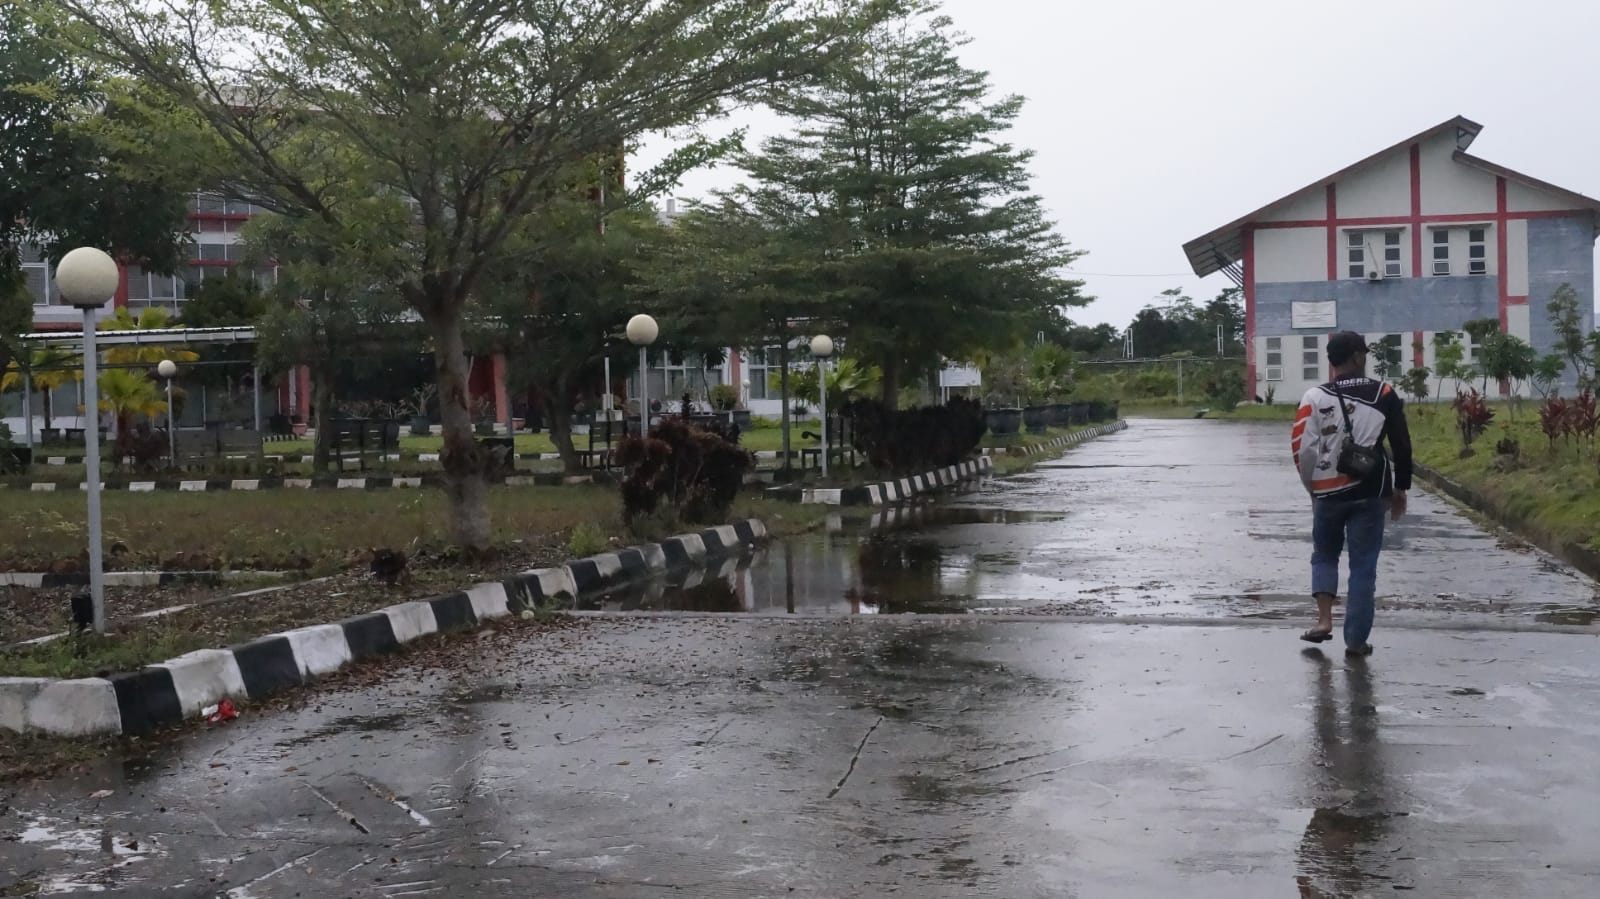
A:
<point x="1355" y="460"/>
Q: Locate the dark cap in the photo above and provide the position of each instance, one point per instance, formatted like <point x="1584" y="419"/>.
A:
<point x="1343" y="345"/>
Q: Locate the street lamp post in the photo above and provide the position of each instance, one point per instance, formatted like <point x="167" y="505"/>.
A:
<point x="822" y="348"/>
<point x="642" y="331"/>
<point x="87" y="278"/>
<point x="166" y="369"/>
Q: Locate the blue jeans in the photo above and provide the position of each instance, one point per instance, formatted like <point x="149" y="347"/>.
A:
<point x="1356" y="524"/>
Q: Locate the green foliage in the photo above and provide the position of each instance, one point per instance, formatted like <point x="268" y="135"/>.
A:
<point x="1572" y="343"/>
<point x="847" y="379"/>
<point x="909" y="441"/>
<point x="1175" y="324"/>
<point x="422" y="138"/>
<point x="230" y="300"/>
<point x="1415" y="383"/>
<point x="897" y="210"/>
<point x="1449" y="358"/>
<point x="724" y="397"/>
<point x="587" y="539"/>
<point x="61" y="185"/>
<point x="1547" y="374"/>
<point x="1385" y="357"/>
<point x="1224" y="387"/>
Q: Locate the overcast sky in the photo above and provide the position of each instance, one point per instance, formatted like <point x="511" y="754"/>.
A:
<point x="1154" y="122"/>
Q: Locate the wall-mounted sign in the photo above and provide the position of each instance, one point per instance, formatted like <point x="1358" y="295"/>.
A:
<point x="1322" y="314"/>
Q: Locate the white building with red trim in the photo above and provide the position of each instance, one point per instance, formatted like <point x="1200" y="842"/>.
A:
<point x="1418" y="238"/>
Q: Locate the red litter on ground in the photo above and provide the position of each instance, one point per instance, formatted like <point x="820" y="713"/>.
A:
<point x="222" y="711"/>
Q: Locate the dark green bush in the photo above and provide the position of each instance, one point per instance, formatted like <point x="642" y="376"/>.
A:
<point x="694" y="471"/>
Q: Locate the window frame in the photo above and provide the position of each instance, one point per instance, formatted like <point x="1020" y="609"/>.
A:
<point x="1478" y="251"/>
<point x="1441" y="241"/>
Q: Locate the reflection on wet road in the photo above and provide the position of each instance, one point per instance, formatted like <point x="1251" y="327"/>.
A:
<point x="1176" y="518"/>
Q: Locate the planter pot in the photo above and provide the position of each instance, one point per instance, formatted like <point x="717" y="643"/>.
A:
<point x="1003" y="422"/>
<point x="1060" y="414"/>
<point x="1099" y="410"/>
<point x="50" y="435"/>
<point x="742" y="419"/>
<point x="298" y="429"/>
<point x="391" y="433"/>
<point x="483" y="428"/>
<point x="1078" y="414"/>
<point x="421" y="426"/>
<point x="1037" y="418"/>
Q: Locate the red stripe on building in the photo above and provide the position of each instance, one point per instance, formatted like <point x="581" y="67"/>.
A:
<point x="1333" y="235"/>
<point x="1249" y="236"/>
<point x="1419" y="350"/>
<point x="1501" y="254"/>
<point x="1444" y="218"/>
<point x="1416" y="210"/>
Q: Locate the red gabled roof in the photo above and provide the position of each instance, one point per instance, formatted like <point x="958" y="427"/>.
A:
<point x="1224" y="246"/>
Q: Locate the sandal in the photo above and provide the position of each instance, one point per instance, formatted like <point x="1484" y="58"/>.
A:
<point x="1314" y="636"/>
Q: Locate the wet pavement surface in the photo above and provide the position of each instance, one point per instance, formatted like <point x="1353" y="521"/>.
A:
<point x="1163" y="737"/>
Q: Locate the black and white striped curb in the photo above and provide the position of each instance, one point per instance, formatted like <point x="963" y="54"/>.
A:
<point x="39" y="580"/>
<point x="1065" y="440"/>
<point x="172" y="691"/>
<point x="370" y="482"/>
<point x="896" y="491"/>
<point x="307" y="459"/>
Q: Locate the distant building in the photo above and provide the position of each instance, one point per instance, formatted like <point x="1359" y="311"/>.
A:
<point x="1418" y="238"/>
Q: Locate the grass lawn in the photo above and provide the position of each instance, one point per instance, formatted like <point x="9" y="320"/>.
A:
<point x="1553" y="492"/>
<point x="324" y="533"/>
<point x="293" y="529"/>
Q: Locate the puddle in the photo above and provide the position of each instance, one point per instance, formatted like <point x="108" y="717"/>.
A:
<point x="349" y="724"/>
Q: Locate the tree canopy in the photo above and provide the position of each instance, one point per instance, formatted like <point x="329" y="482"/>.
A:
<point x="422" y="136"/>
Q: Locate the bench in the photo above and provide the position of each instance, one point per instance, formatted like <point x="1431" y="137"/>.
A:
<point x="214" y="445"/>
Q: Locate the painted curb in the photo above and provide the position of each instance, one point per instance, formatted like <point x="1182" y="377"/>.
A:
<point x="169" y="692"/>
<point x="903" y="489"/>
<point x="391" y="457"/>
<point x="1578" y="556"/>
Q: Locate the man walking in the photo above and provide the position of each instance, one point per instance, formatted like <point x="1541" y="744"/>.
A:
<point x="1338" y="439"/>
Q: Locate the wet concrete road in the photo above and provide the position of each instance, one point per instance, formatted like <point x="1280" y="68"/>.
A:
<point x="1017" y="755"/>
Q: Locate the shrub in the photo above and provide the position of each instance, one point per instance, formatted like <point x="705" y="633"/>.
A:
<point x="724" y="397"/>
<point x="1583" y="418"/>
<point x="918" y="439"/>
<point x="1472" y="418"/>
<point x="1554" y="420"/>
<point x="586" y="540"/>
<point x="693" y="470"/>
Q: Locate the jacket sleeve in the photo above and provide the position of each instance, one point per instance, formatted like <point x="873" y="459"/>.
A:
<point x="1303" y="444"/>
<point x="1399" y="434"/>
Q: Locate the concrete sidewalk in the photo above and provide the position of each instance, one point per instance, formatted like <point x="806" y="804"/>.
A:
<point x="948" y="757"/>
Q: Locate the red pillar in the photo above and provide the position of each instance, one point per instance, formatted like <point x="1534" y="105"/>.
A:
<point x="302" y="377"/>
<point x="502" y="403"/>
<point x="120" y="301"/>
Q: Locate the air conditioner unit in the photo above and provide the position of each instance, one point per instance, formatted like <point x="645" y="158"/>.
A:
<point x="1374" y="274"/>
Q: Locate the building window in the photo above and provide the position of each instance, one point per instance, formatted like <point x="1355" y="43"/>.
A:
<point x="213" y="252"/>
<point x="1274" y="343"/>
<point x="1441" y="252"/>
<point x="1357" y="254"/>
<point x="1274" y="358"/>
<point x="1477" y="251"/>
<point x="1274" y="374"/>
<point x="762" y="363"/>
<point x="1310" y="343"/>
<point x="1391" y="254"/>
<point x="1310" y="374"/>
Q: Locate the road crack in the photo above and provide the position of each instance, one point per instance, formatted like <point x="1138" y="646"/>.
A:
<point x="855" y="758"/>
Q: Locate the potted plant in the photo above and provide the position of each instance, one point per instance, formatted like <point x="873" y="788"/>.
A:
<point x="1003" y="421"/>
<point x="421" y="401"/>
<point x="14" y="459"/>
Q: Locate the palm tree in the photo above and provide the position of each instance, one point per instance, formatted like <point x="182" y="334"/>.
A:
<point x="51" y="368"/>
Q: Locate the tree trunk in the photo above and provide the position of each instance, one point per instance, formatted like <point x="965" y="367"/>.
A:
<point x="49" y="408"/>
<point x="462" y="458"/>
<point x="558" y="406"/>
<point x="889" y="387"/>
<point x="322" y="412"/>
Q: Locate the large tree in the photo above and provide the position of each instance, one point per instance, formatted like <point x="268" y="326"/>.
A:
<point x="899" y="187"/>
<point x="61" y="186"/>
<point x="462" y="116"/>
